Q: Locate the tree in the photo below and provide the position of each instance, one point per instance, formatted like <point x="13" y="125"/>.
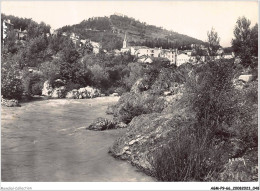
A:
<point x="254" y="40"/>
<point x="11" y="83"/>
<point x="10" y="44"/>
<point x="213" y="42"/>
<point x="245" y="41"/>
<point x="199" y="53"/>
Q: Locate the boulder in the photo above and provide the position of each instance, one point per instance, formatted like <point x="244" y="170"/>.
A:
<point x="246" y="78"/>
<point x="83" y="93"/>
<point x="47" y="89"/>
<point x="114" y="94"/>
<point x="101" y="124"/>
<point x="92" y="92"/>
<point x="70" y="95"/>
<point x="167" y="93"/>
<point x="140" y="86"/>
<point x="9" y="102"/>
<point x="58" y="92"/>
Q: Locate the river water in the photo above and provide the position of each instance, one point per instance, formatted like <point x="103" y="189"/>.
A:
<point x="46" y="141"/>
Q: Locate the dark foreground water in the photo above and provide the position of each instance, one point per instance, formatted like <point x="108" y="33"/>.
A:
<point x="47" y="141"/>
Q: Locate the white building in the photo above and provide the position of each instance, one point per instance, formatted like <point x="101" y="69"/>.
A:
<point x="182" y="59"/>
<point x="229" y="55"/>
<point x="7" y="27"/>
<point x="96" y="47"/>
<point x="171" y="55"/>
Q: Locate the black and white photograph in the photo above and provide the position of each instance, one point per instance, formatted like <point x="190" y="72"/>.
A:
<point x="129" y="92"/>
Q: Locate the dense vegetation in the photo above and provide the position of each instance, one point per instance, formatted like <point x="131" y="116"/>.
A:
<point x="202" y="147"/>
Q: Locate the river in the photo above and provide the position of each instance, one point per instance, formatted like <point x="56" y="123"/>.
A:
<point x="46" y="141"/>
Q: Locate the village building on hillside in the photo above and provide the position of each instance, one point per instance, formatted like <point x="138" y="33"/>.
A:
<point x="21" y="35"/>
<point x="7" y="27"/>
<point x="145" y="59"/>
<point x="182" y="59"/>
<point x="229" y="55"/>
<point x="171" y="55"/>
<point x="75" y="38"/>
<point x="96" y="47"/>
<point x="144" y="52"/>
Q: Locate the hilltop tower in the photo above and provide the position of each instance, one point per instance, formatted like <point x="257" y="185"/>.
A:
<point x="124" y="42"/>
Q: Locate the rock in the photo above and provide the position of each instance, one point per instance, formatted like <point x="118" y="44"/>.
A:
<point x="246" y="78"/>
<point x="70" y="95"/>
<point x="82" y="90"/>
<point x="83" y="93"/>
<point x="58" y="92"/>
<point x="9" y="102"/>
<point x="167" y="93"/>
<point x="47" y="89"/>
<point x="92" y="92"/>
<point x="75" y="93"/>
<point x="140" y="86"/>
<point x="101" y="124"/>
<point x="120" y="125"/>
<point x="238" y="84"/>
<point x="114" y="94"/>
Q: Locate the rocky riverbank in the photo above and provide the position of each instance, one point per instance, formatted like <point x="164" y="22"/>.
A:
<point x="164" y="130"/>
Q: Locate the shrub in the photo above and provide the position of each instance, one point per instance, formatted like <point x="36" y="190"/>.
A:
<point x="71" y="86"/>
<point x="33" y="83"/>
<point x="210" y="92"/>
<point x="188" y="156"/>
<point x="11" y="87"/>
<point x="36" y="88"/>
<point x="11" y="83"/>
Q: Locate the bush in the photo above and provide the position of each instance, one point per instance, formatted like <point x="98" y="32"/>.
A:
<point x="189" y="156"/>
<point x="33" y="83"/>
<point x="11" y="83"/>
<point x="36" y="88"/>
<point x="71" y="86"/>
<point x="11" y="87"/>
<point x="211" y="94"/>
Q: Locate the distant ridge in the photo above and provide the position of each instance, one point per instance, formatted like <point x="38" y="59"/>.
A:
<point x="110" y="31"/>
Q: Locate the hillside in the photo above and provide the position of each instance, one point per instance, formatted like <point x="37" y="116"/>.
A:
<point x="110" y="31"/>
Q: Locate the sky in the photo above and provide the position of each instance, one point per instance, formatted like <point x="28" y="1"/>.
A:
<point x="192" y="18"/>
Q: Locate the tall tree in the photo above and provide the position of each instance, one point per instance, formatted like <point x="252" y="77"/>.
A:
<point x="213" y="42"/>
<point x="245" y="41"/>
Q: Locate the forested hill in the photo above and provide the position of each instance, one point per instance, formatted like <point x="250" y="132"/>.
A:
<point x="110" y="32"/>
